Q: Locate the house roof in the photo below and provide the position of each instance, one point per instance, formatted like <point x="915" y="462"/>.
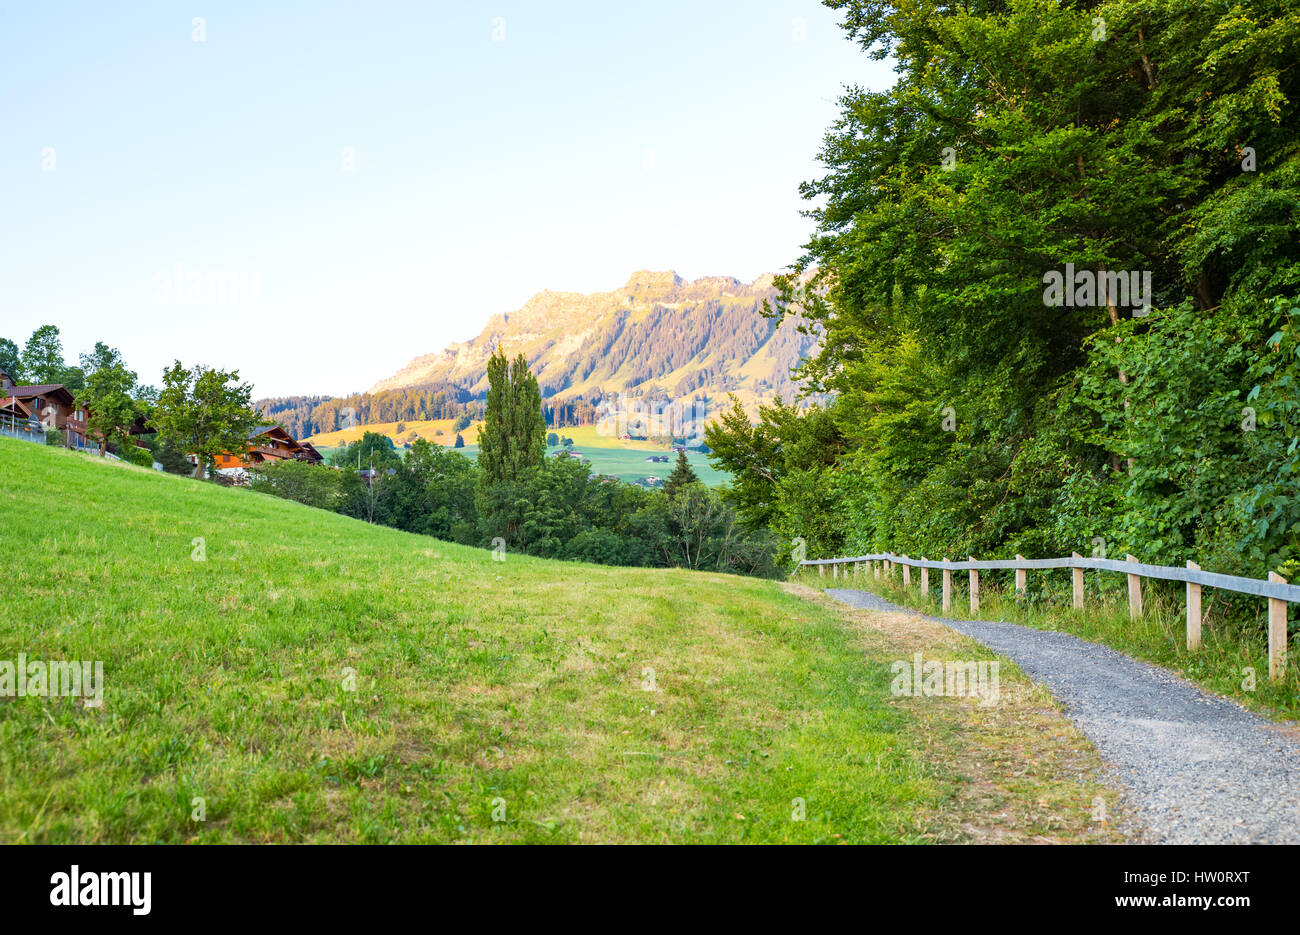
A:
<point x="41" y="389"/>
<point x="16" y="404"/>
<point x="272" y="429"/>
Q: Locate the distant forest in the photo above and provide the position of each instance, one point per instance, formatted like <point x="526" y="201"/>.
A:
<point x="305" y="416"/>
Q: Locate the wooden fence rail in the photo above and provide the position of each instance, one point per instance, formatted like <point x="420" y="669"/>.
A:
<point x="1275" y="589"/>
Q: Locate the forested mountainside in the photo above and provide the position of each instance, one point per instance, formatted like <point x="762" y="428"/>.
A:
<point x="657" y="335"/>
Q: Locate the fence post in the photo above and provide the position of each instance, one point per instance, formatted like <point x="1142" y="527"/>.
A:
<point x="1134" y="592"/>
<point x="1020" y="576"/>
<point x="907" y="575"/>
<point x="947" y="588"/>
<point x="925" y="579"/>
<point x="821" y="571"/>
<point x="875" y="570"/>
<point x="974" y="587"/>
<point x="1077" y="575"/>
<point x="1276" y="632"/>
<point x="835" y="569"/>
<point x="1193" y="611"/>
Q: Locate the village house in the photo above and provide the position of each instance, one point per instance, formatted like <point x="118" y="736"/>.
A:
<point x="266" y="444"/>
<point x="51" y="405"/>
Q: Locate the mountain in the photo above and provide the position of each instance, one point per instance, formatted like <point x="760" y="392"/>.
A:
<point x="658" y="335"/>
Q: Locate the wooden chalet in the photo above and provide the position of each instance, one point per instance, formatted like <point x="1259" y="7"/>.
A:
<point x="50" y="404"/>
<point x="268" y="443"/>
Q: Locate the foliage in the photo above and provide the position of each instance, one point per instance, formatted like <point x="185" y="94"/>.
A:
<point x="107" y="396"/>
<point x="10" y="360"/>
<point x="971" y="416"/>
<point x="371" y="448"/>
<point x="141" y="457"/>
<point x="513" y="437"/>
<point x="681" y="474"/>
<point x="310" y="484"/>
<point x="42" y="358"/>
<point x="170" y="454"/>
<point x="206" y="411"/>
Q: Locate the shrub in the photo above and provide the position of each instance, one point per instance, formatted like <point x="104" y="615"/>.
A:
<point x="314" y="485"/>
<point x="139" y="456"/>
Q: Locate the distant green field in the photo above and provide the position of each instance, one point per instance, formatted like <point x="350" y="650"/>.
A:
<point x="626" y="463"/>
<point x="631" y="465"/>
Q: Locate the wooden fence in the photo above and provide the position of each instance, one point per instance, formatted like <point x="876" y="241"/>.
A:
<point x="1275" y="589"/>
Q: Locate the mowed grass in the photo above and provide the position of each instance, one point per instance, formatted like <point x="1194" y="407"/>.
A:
<point x="315" y="678"/>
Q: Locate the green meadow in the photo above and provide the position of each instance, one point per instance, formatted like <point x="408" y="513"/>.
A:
<point x="275" y="673"/>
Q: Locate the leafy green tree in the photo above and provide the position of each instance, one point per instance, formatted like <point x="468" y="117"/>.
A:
<point x="206" y="411"/>
<point x="782" y="470"/>
<point x="10" y="360"/>
<point x="42" y="358"/>
<point x="460" y="441"/>
<point x="974" y="414"/>
<point x="513" y="437"/>
<point x="555" y="492"/>
<point x="603" y="546"/>
<point x="371" y="449"/>
<point x="512" y="446"/>
<point x="74" y="378"/>
<point x="102" y="356"/>
<point x="311" y="484"/>
<point x="448" y="481"/>
<point x="552" y="439"/>
<point x="107" y="397"/>
<point x="170" y="454"/>
<point x="131" y="452"/>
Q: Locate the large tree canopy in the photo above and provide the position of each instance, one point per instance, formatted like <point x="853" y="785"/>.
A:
<point x="205" y="411"/>
<point x="978" y="415"/>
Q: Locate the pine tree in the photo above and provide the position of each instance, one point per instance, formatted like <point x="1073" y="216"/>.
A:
<point x="682" y="474"/>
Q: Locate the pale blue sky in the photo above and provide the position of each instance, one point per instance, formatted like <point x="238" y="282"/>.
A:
<point x="189" y="199"/>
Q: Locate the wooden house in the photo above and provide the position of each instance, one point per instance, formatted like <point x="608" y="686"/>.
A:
<point x="266" y="444"/>
<point x="50" y="404"/>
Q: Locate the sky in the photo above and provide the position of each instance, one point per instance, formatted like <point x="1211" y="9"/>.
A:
<point x="315" y="193"/>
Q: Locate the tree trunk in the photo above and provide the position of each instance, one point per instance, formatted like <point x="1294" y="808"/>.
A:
<point x="1113" y="312"/>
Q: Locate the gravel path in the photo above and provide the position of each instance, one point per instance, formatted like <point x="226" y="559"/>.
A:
<point x="1198" y="769"/>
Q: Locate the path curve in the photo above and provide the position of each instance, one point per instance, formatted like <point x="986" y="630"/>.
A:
<point x="1199" y="769"/>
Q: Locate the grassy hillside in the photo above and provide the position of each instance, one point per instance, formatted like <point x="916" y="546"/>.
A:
<point x="435" y="431"/>
<point x="314" y="678"/>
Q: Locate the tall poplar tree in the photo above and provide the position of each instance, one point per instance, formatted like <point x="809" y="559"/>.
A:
<point x="513" y="437"/>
